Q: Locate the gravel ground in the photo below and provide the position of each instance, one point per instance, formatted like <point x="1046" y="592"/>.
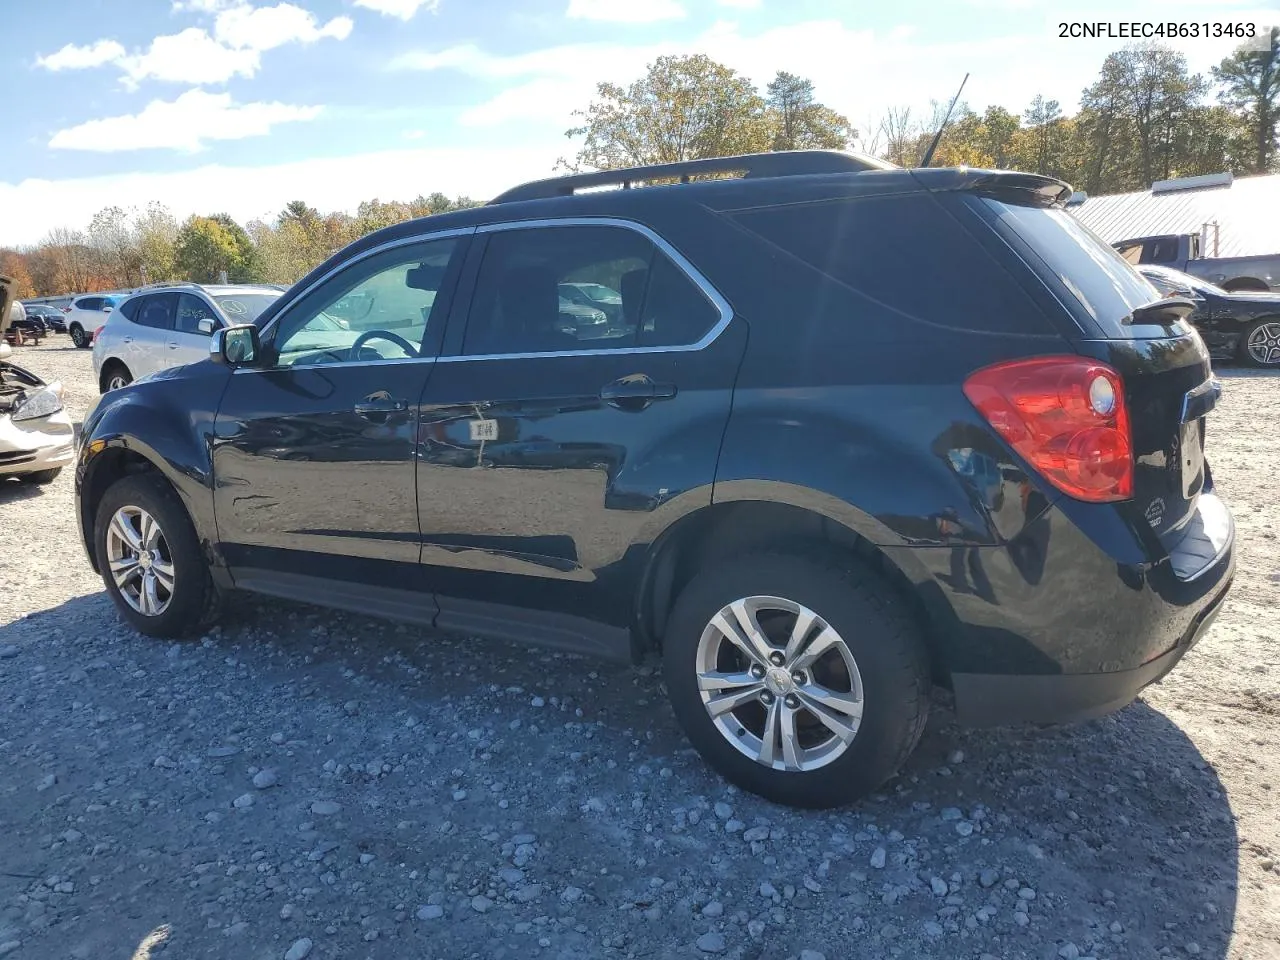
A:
<point x="300" y="783"/>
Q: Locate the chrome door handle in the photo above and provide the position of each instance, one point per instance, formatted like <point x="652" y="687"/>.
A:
<point x="380" y="407"/>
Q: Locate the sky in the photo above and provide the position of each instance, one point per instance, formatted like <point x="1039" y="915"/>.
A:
<point x="240" y="106"/>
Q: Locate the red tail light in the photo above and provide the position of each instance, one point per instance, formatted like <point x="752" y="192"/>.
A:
<point x="95" y="334"/>
<point x="1066" y="416"/>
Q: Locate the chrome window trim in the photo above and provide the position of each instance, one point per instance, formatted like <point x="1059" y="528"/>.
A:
<point x="689" y="270"/>
<point x="363" y="255"/>
<point x="703" y="284"/>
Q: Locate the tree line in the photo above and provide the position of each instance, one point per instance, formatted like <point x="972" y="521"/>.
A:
<point x="1146" y="117"/>
<point x="122" y="248"/>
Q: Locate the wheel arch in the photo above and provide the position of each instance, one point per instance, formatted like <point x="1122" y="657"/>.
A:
<point x="112" y="454"/>
<point x="1236" y="284"/>
<point x="109" y="364"/>
<point x="731" y="528"/>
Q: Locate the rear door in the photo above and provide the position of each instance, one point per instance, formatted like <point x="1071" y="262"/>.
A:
<point x="545" y="444"/>
<point x="1168" y="382"/>
<point x="146" y="340"/>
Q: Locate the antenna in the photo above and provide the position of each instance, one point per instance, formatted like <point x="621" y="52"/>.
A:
<point x="937" y="137"/>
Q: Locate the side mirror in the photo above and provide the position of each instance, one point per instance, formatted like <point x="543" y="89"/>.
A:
<point x="108" y="308"/>
<point x="236" y="346"/>
<point x="204" y="325"/>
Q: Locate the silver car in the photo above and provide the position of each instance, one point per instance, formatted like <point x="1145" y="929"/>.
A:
<point x="168" y="325"/>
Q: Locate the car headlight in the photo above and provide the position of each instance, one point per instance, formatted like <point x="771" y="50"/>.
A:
<point x="41" y="403"/>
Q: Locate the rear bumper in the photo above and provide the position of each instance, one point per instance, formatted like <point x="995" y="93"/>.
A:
<point x="1053" y="627"/>
<point x="984" y="700"/>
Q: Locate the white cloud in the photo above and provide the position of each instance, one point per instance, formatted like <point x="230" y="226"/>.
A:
<point x="625" y="11"/>
<point x="191" y="56"/>
<point x="32" y="207"/>
<point x="264" y="28"/>
<point x="72" y="57"/>
<point x="740" y="4"/>
<point x="183" y="124"/>
<point x="404" y="9"/>
<point x="200" y="6"/>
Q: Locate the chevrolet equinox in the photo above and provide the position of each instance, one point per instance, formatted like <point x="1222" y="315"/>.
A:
<point x="840" y="432"/>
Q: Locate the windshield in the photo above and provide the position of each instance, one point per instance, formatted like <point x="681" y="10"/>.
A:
<point x="245" y="307"/>
<point x="598" y="291"/>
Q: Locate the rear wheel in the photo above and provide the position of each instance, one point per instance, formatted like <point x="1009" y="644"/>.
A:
<point x="114" y="376"/>
<point x="150" y="558"/>
<point x="1260" y="343"/>
<point x="79" y="336"/>
<point x="798" y="677"/>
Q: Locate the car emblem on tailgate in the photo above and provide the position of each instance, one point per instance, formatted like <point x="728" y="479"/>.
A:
<point x="1155" y="512"/>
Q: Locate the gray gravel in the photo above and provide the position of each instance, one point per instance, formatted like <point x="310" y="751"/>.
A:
<point x="304" y="784"/>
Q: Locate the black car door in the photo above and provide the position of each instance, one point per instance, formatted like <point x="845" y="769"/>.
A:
<point x="313" y="456"/>
<point x="549" y="439"/>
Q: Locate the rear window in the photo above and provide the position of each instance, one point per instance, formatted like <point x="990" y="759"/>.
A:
<point x="908" y="253"/>
<point x="1076" y="262"/>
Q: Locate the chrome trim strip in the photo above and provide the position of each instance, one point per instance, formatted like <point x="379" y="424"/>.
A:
<point x="365" y="255"/>
<point x="692" y="272"/>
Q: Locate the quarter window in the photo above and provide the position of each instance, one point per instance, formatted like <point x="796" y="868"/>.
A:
<point x="571" y="288"/>
<point x="379" y="308"/>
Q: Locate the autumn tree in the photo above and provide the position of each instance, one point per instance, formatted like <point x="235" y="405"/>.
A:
<point x="1250" y="87"/>
<point x="683" y="108"/>
<point x="14" y="266"/>
<point x="799" y="122"/>
<point x="156" y="235"/>
<point x="206" y="247"/>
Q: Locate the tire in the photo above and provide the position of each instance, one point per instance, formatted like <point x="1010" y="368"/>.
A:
<point x="79" y="336"/>
<point x="192" y="599"/>
<point x="114" y="376"/>
<point x="40" y="477"/>
<point x="876" y="630"/>
<point x="1260" y="343"/>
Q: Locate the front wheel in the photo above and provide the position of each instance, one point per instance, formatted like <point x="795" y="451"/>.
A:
<point x="79" y="336"/>
<point x="800" y="678"/>
<point x="1260" y="343"/>
<point x="115" y="377"/>
<point x="150" y="558"/>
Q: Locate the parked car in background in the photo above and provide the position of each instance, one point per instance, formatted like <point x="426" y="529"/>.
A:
<point x="36" y="435"/>
<point x="1242" y="326"/>
<point x="54" y="319"/>
<point x="760" y="475"/>
<point x="22" y="328"/>
<point x="86" y="315"/>
<point x="1184" y="252"/>
<point x="597" y="295"/>
<point x="168" y="325"/>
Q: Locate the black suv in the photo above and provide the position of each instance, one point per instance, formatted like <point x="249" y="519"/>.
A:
<point x="854" y="430"/>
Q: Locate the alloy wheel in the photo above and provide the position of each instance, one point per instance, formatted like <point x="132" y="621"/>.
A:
<point x="140" y="561"/>
<point x="1264" y="343"/>
<point x="116" y="381"/>
<point x="779" y="683"/>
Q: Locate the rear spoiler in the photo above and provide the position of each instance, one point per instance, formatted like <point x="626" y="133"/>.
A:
<point x="1025" y="188"/>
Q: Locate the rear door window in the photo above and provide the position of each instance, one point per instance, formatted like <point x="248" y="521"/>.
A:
<point x="156" y="311"/>
<point x="89" y="303"/>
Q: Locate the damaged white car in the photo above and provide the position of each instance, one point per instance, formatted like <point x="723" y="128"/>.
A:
<point x="36" y="436"/>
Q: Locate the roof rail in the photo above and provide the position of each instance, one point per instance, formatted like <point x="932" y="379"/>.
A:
<point x="167" y="283"/>
<point x="782" y="163"/>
